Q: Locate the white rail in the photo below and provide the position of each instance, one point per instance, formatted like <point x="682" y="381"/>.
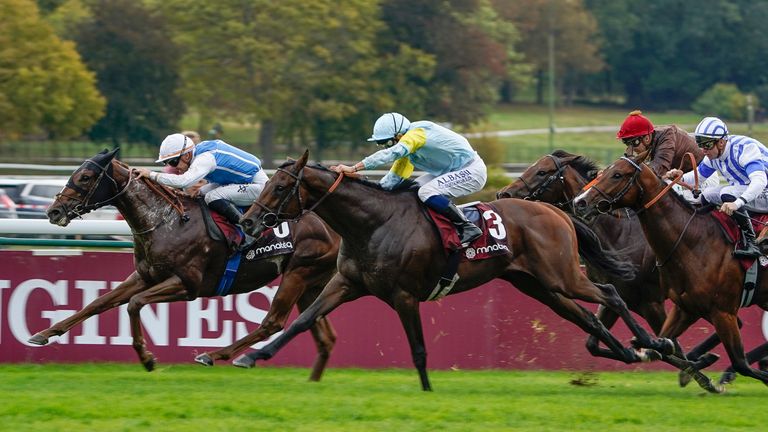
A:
<point x="76" y="227"/>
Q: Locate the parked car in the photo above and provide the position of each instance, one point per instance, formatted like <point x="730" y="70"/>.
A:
<point x="33" y="196"/>
<point x="7" y="206"/>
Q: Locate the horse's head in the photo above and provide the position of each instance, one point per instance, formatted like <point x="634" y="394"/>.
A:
<point x="280" y="200"/>
<point x="91" y="186"/>
<point x="554" y="179"/>
<point x="618" y="186"/>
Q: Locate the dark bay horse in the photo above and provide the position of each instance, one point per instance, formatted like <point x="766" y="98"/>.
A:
<point x="557" y="178"/>
<point x="176" y="260"/>
<point x="390" y="249"/>
<point x="694" y="256"/>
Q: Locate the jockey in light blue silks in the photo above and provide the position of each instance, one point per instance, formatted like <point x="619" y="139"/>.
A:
<point x="743" y="162"/>
<point x="452" y="167"/>
<point x="235" y="177"/>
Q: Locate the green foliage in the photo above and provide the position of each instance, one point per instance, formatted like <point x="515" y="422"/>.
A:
<point x="44" y="86"/>
<point x="137" y="68"/>
<point x="490" y="149"/>
<point x="724" y="101"/>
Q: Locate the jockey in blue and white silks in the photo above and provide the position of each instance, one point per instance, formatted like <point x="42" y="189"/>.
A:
<point x="453" y="168"/>
<point x="234" y="176"/>
<point x="743" y="163"/>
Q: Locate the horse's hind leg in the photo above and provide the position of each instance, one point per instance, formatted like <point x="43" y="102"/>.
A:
<point x="114" y="298"/>
<point x="608" y="318"/>
<point x="325" y="339"/>
<point x="611" y="299"/>
<point x="756" y="355"/>
<point x="576" y="314"/>
<point x="167" y="291"/>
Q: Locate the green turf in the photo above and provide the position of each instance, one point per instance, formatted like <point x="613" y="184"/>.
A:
<point x="116" y="397"/>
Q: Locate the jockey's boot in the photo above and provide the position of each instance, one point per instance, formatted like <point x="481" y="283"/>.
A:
<point x="468" y="232"/>
<point x="229" y="210"/>
<point x="749" y="249"/>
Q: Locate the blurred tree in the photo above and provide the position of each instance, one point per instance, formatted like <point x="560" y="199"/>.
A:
<point x="303" y="69"/>
<point x="137" y="64"/>
<point x="44" y="86"/>
<point x="473" y="46"/>
<point x="577" y="45"/>
<point x="665" y="53"/>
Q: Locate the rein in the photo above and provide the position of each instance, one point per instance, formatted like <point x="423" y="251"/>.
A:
<point x="272" y="218"/>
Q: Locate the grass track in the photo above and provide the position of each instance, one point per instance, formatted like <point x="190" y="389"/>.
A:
<point x="118" y="397"/>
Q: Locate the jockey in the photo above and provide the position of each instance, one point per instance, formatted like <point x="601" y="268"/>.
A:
<point x="235" y="177"/>
<point x="668" y="146"/>
<point x="453" y="168"/>
<point x="743" y="161"/>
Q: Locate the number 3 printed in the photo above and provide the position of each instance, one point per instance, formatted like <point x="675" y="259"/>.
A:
<point x="495" y="226"/>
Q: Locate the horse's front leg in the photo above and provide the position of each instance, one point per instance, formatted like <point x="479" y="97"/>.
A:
<point x="169" y="290"/>
<point x="676" y="323"/>
<point x="728" y="330"/>
<point x="339" y="290"/>
<point x="114" y="298"/>
<point x="407" y="307"/>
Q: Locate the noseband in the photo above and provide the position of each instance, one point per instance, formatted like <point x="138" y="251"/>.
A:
<point x="83" y="204"/>
<point x="536" y="192"/>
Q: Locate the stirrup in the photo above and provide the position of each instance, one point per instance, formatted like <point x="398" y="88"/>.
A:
<point x="468" y="236"/>
<point x="750" y="250"/>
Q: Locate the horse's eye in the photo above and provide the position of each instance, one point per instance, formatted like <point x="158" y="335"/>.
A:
<point x="279" y="188"/>
<point x="541" y="173"/>
<point x="85" y="178"/>
<point x="616" y="175"/>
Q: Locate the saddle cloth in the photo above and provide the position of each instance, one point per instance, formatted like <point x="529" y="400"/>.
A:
<point x="732" y="231"/>
<point x="487" y="245"/>
<point x="271" y="243"/>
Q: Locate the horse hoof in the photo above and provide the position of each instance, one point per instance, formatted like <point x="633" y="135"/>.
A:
<point x="204" y="359"/>
<point x="38" y="339"/>
<point x="727" y="378"/>
<point x="244" y="362"/>
<point x="149" y="365"/>
<point x="683" y="379"/>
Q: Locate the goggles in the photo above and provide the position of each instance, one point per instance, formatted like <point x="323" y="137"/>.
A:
<point x="632" y="141"/>
<point x="706" y="143"/>
<point x="174" y="162"/>
<point x="386" y="142"/>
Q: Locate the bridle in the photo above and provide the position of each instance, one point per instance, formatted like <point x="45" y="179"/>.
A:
<point x="536" y="192"/>
<point x="606" y="205"/>
<point x="83" y="205"/>
<point x="272" y="218"/>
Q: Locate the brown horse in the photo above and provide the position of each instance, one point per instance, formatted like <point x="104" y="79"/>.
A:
<point x="694" y="258"/>
<point x="557" y="178"/>
<point x="390" y="250"/>
<point x="177" y="260"/>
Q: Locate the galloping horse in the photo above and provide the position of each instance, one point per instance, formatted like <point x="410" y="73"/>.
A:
<point x="694" y="258"/>
<point x="557" y="178"/>
<point x="176" y="259"/>
<point x="392" y="251"/>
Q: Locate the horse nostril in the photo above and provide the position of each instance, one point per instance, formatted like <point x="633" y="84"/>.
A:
<point x="246" y="223"/>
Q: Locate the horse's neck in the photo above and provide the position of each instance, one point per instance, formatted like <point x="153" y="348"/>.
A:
<point x="142" y="208"/>
<point x="668" y="219"/>
<point x="355" y="210"/>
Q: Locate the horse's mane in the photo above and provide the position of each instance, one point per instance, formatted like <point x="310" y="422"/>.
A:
<point x="582" y="164"/>
<point x="406" y="185"/>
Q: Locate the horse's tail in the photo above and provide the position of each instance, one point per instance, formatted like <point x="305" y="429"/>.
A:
<point x="607" y="261"/>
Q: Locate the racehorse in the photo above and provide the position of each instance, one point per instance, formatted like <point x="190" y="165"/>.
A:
<point x="557" y="178"/>
<point x="175" y="258"/>
<point x="694" y="257"/>
<point x="392" y="251"/>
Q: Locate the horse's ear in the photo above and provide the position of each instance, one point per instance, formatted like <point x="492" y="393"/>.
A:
<point x="302" y="160"/>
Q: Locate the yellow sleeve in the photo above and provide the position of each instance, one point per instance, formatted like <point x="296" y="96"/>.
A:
<point x="414" y="139"/>
<point x="402" y="168"/>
